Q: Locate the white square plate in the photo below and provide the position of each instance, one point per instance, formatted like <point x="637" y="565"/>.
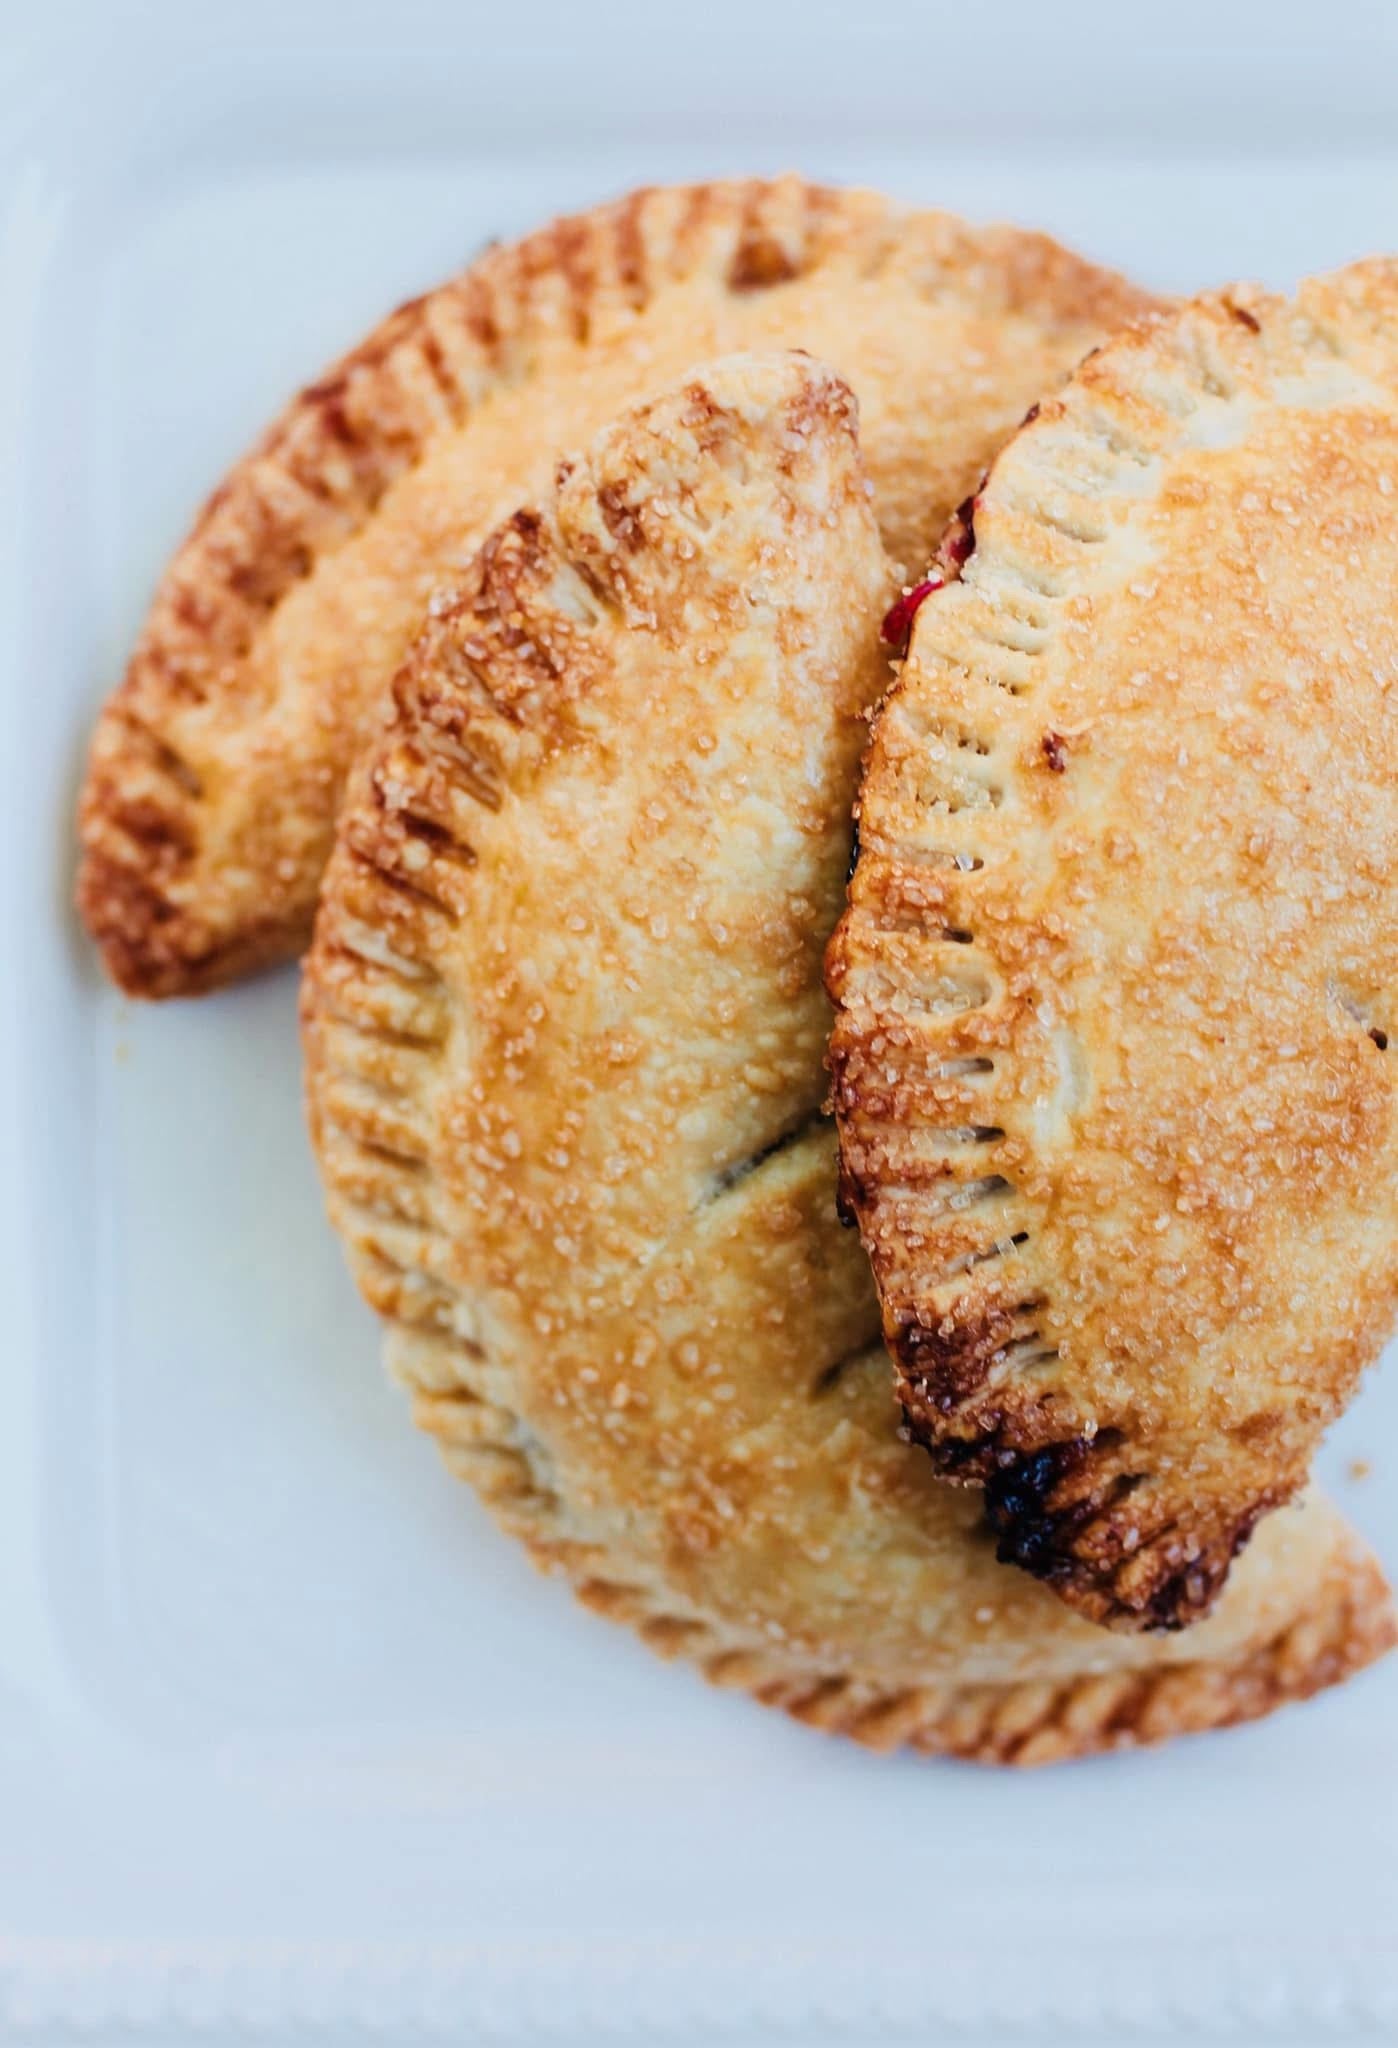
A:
<point x="290" y="1738"/>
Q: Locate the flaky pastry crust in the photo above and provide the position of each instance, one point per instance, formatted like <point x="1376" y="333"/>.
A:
<point x="564" y="1028"/>
<point x="218" y="765"/>
<point x="1116" y="984"/>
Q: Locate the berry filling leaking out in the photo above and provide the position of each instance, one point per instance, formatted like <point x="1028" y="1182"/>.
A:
<point x="898" y="620"/>
<point x="959" y="540"/>
<point x="958" y="545"/>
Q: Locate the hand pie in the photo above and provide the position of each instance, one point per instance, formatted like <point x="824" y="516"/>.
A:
<point x="217" y="767"/>
<point x="564" y="1030"/>
<point x="1114" y="1064"/>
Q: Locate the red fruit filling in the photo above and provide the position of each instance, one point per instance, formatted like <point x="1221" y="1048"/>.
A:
<point x="959" y="540"/>
<point x="898" y="620"/>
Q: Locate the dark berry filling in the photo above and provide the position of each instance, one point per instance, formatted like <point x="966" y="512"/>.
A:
<point x="898" y="620"/>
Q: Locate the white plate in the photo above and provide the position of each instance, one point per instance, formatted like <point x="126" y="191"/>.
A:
<point x="288" y="1733"/>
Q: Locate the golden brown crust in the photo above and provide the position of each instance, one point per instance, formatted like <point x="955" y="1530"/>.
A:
<point x="1112" y="1070"/>
<point x="564" y="1027"/>
<point x="1341" y="1620"/>
<point x="218" y="765"/>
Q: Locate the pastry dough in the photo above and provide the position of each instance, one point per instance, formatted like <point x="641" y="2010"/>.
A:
<point x="217" y="767"/>
<point x="1114" y="1067"/>
<point x="564" y="1029"/>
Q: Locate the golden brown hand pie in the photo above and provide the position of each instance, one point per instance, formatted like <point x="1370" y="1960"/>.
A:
<point x="1113" y="1068"/>
<point x="564" y="1031"/>
<point x="217" y="767"/>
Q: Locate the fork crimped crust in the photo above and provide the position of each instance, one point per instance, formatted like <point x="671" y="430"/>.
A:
<point x="1116" y="982"/>
<point x="564" y="1027"/>
<point x="217" y="767"/>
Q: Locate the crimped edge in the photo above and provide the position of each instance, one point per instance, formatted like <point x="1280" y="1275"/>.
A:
<point x="1348" y="1624"/>
<point x="377" y="1021"/>
<point x="318" y="474"/>
<point x="1056" y="1490"/>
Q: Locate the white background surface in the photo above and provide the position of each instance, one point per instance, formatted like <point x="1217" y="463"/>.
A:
<point x="289" y="1737"/>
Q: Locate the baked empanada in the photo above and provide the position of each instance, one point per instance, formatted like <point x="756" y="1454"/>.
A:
<point x="564" y="1028"/>
<point x="1117" y="981"/>
<point x="217" y="767"/>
